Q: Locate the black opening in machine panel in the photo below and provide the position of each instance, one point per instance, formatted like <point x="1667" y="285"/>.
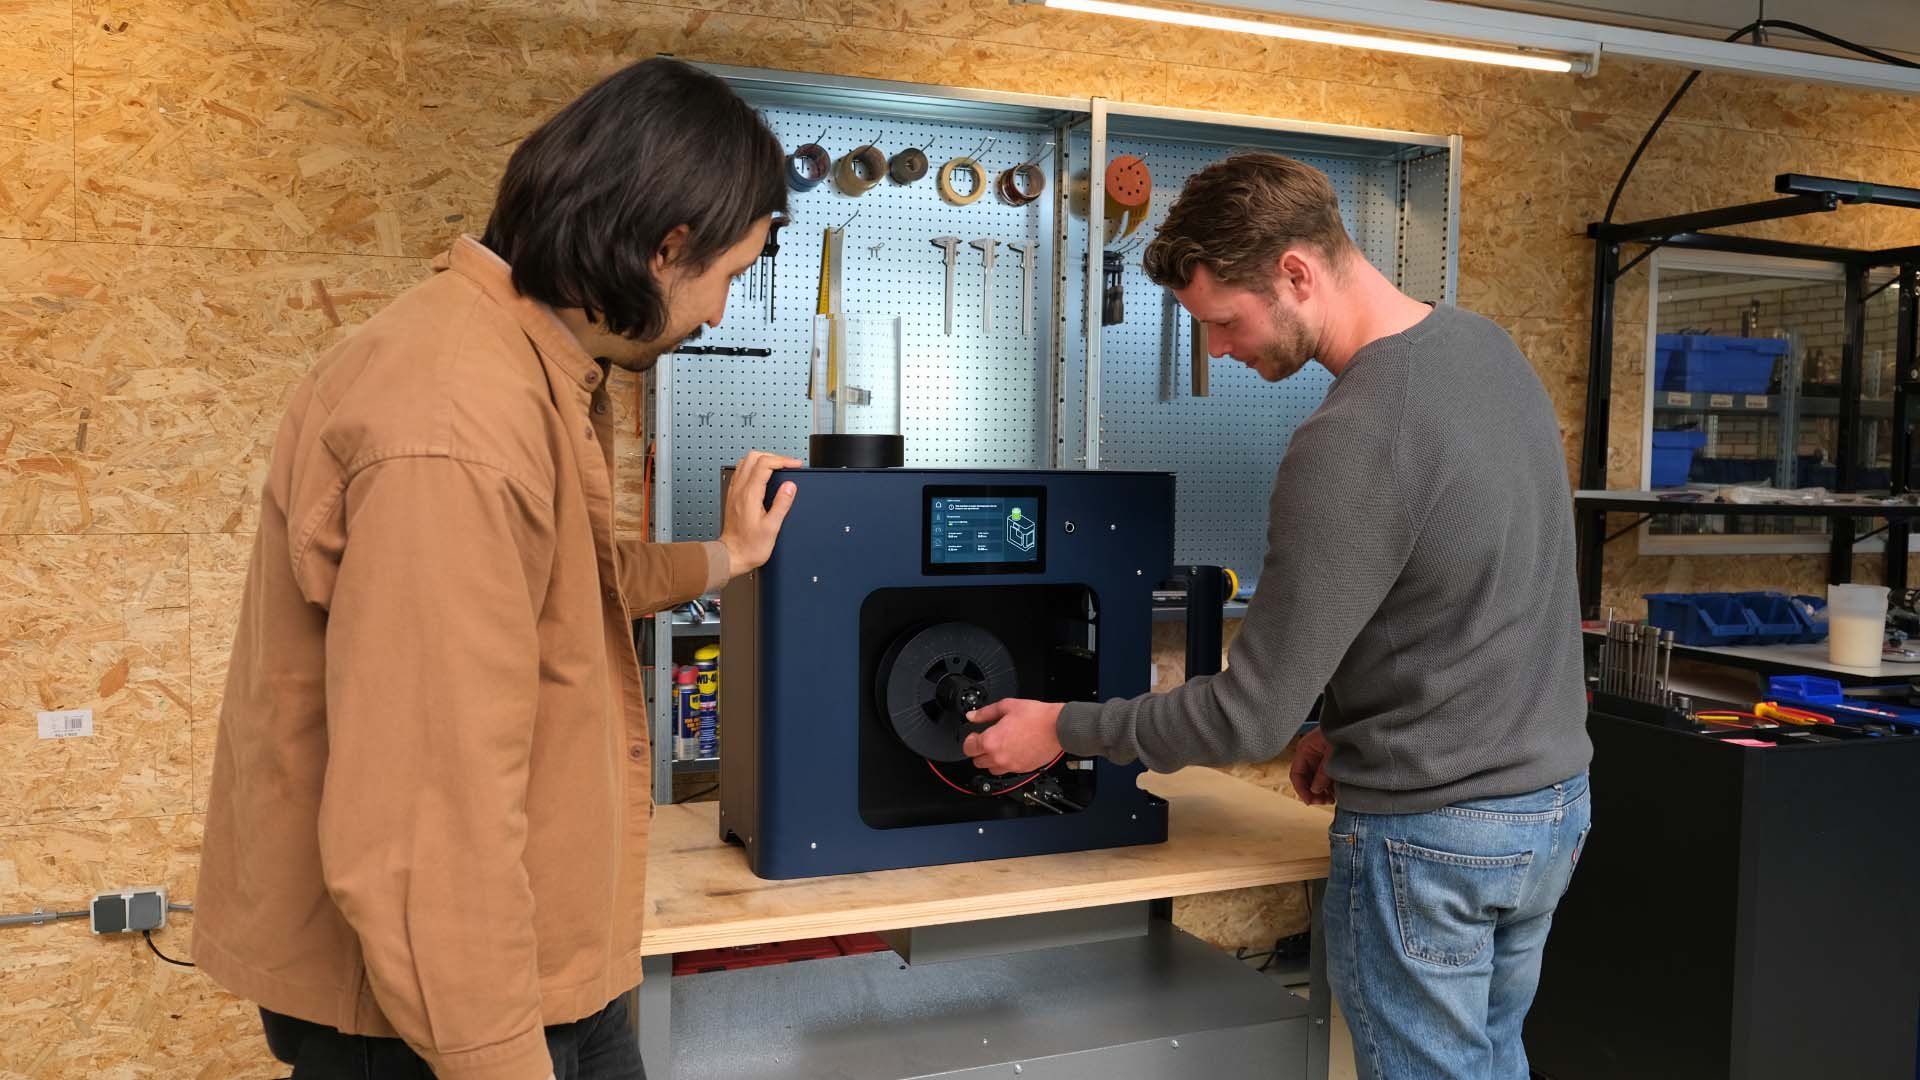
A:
<point x="984" y="530"/>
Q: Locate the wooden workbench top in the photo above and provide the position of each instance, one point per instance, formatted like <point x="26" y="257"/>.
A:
<point x="1225" y="834"/>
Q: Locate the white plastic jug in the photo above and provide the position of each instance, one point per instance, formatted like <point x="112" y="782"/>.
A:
<point x="1856" y="624"/>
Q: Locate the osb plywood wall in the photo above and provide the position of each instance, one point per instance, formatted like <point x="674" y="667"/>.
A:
<point x="198" y="198"/>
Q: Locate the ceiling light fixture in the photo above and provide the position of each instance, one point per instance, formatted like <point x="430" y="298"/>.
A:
<point x="1529" y="61"/>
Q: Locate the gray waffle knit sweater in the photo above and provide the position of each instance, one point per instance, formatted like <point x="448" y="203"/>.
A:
<point x="1420" y="571"/>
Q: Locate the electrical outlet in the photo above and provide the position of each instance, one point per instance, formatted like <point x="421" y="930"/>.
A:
<point x="129" y="911"/>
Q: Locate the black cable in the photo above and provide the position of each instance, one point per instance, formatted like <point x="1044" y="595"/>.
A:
<point x="1840" y="42"/>
<point x="1754" y="28"/>
<point x="148" y="934"/>
<point x="1685" y="85"/>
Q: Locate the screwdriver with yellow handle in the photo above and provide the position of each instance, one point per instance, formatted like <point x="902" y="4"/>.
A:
<point x="1733" y="718"/>
<point x="1773" y="710"/>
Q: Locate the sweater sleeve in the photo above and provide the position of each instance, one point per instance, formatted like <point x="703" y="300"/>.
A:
<point x="1338" y="536"/>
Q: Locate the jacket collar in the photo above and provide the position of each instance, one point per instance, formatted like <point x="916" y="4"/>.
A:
<point x="476" y="262"/>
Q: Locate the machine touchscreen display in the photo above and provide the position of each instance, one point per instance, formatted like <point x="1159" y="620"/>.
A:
<point x="984" y="530"/>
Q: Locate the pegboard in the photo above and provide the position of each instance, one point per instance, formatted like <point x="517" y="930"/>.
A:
<point x="1426" y="234"/>
<point x="1225" y="448"/>
<point x="974" y="398"/>
<point x="1070" y="391"/>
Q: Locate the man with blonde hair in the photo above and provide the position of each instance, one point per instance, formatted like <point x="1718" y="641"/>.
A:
<point x="1420" y="574"/>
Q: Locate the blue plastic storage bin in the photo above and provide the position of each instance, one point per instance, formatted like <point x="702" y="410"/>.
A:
<point x="1814" y="610"/>
<point x="1779" y="621"/>
<point x="1706" y="363"/>
<point x="1811" y="689"/>
<point x="1673" y="456"/>
<point x="1702" y="618"/>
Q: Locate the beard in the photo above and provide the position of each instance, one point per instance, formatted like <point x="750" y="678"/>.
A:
<point x="642" y="358"/>
<point x="1288" y="349"/>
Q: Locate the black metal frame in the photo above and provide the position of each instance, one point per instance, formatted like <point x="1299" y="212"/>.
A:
<point x="1801" y="195"/>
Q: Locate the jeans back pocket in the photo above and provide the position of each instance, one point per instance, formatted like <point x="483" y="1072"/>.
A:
<point x="1447" y="904"/>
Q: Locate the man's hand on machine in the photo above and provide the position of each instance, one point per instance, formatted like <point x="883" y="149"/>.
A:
<point x="752" y="525"/>
<point x="1022" y="739"/>
<point x="1309" y="773"/>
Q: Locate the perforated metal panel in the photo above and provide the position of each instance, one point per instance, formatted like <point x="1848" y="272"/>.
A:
<point x="1224" y="447"/>
<point x="975" y="398"/>
<point x="1425" y="235"/>
<point x="1070" y="427"/>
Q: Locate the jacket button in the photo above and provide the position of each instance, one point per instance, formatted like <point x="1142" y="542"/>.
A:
<point x="613" y="595"/>
<point x="589" y="432"/>
<point x="591" y="378"/>
<point x="638" y="751"/>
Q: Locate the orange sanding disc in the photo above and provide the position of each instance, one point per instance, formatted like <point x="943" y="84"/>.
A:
<point x="1128" y="181"/>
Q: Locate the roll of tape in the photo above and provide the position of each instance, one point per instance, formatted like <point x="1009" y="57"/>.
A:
<point x="907" y="166"/>
<point x="971" y="168"/>
<point x="859" y="171"/>
<point x="1009" y="186"/>
<point x="807" y="166"/>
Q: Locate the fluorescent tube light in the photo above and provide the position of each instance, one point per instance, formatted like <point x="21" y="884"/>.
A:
<point x="1323" y="37"/>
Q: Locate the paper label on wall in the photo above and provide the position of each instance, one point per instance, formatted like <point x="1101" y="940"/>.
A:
<point x="66" y="724"/>
<point x="1683" y="401"/>
<point x="1756" y="401"/>
<point x="1720" y="401"/>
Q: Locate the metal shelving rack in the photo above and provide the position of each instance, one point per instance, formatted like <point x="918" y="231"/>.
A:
<point x="1801" y="195"/>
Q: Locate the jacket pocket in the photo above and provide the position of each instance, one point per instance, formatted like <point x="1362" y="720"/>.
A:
<point x="1447" y="903"/>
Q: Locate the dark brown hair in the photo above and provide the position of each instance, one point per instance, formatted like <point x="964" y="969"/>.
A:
<point x="1237" y="217"/>
<point x="588" y="197"/>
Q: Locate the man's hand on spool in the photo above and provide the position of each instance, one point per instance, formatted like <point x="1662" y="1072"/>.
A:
<point x="1022" y="739"/>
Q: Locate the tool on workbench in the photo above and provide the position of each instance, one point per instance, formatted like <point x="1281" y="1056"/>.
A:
<point x="1026" y="250"/>
<point x="1732" y="718"/>
<point x="1784" y="714"/>
<point x="986" y="246"/>
<point x="1636" y="663"/>
<point x="950" y="245"/>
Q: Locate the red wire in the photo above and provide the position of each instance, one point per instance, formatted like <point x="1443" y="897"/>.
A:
<point x="1001" y="791"/>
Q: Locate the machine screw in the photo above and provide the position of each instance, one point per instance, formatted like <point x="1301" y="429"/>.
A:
<point x="1017" y="1070"/>
<point x="846" y="528"/>
<point x="1176" y="1044"/>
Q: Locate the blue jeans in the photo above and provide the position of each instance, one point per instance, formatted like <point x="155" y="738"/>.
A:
<point x="1435" y="924"/>
<point x="599" y="1047"/>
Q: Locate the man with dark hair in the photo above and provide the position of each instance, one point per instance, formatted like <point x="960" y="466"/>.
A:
<point x="426" y="840"/>
<point x="1420" y="573"/>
